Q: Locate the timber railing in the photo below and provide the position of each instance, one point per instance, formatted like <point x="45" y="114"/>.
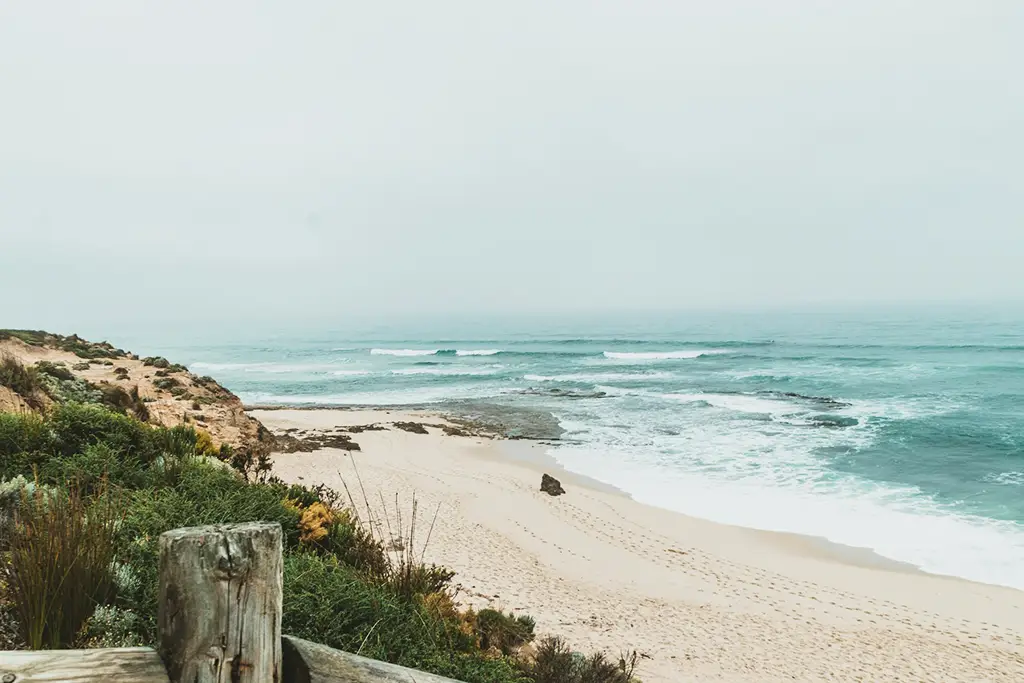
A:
<point x="219" y="621"/>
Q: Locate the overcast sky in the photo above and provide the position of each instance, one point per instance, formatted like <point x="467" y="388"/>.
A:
<point x="293" y="159"/>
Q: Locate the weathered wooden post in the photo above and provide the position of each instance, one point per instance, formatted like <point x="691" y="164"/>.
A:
<point x="220" y="603"/>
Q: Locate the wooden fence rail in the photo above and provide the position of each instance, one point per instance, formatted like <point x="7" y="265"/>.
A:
<point x="219" y="622"/>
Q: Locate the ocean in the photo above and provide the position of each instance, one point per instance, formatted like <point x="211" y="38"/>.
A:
<point x="901" y="431"/>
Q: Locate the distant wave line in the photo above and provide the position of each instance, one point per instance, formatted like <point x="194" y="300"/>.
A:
<point x="661" y="355"/>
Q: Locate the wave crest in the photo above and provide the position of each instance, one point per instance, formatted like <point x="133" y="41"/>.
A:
<point x="443" y="371"/>
<point x="404" y="352"/>
<point x="661" y="355"/>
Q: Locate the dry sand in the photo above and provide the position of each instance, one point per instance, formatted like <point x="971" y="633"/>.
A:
<point x="706" y="602"/>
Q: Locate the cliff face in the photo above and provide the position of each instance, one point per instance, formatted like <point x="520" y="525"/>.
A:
<point x="154" y="389"/>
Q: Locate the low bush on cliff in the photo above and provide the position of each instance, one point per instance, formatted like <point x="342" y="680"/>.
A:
<point x="24" y="381"/>
<point x="73" y="343"/>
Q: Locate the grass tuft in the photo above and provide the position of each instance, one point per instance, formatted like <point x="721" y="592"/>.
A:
<point x="61" y="553"/>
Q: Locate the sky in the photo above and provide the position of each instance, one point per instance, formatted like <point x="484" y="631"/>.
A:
<point x="222" y="162"/>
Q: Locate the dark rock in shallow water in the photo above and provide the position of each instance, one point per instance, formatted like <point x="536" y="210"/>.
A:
<point x="826" y="401"/>
<point x="556" y="392"/>
<point x="833" y="421"/>
<point x="500" y="418"/>
<point x="551" y="486"/>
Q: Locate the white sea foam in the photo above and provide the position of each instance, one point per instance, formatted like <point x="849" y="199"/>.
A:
<point x="350" y="373"/>
<point x="368" y="398"/>
<point x="215" y="367"/>
<point x="404" y="352"/>
<point x="898" y="523"/>
<point x="661" y="355"/>
<point x="601" y="377"/>
<point x="454" y="371"/>
<point x="738" y="402"/>
<point x="1006" y="478"/>
<point x="276" y="368"/>
<point x="477" y="352"/>
<point x="713" y="465"/>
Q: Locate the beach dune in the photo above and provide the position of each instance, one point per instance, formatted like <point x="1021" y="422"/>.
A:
<point x="702" y="601"/>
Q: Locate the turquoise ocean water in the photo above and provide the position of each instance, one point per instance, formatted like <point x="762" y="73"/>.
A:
<point x="899" y="431"/>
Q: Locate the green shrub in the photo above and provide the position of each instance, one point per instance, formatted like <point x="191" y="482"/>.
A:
<point x="56" y="370"/>
<point x="62" y="549"/>
<point x="253" y="466"/>
<point x="327" y="602"/>
<point x="76" y="426"/>
<point x="208" y="493"/>
<point x="73" y="344"/>
<point x="73" y="390"/>
<point x="355" y="546"/>
<point x="555" y="662"/>
<point x="166" y="383"/>
<point x="96" y="465"/>
<point x="304" y="496"/>
<point x="13" y="493"/>
<point x="201" y="493"/>
<point x="23" y="432"/>
<point x="178" y="441"/>
<point x="157" y="362"/>
<point x="24" y="439"/>
<point x="505" y="632"/>
<point x="30" y="337"/>
<point x="110" y="626"/>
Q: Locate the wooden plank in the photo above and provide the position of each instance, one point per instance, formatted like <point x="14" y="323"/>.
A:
<point x="121" y="664"/>
<point x="220" y="603"/>
<point x="306" y="662"/>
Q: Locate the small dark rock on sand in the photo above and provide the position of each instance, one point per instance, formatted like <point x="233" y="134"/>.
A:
<point x="551" y="486"/>
<point x="359" y="429"/>
<point x="304" y="442"/>
<point x="414" y="427"/>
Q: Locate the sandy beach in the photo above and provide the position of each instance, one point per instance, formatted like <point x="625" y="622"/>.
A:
<point x="704" y="601"/>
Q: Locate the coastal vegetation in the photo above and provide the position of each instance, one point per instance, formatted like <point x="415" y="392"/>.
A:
<point x="87" y="486"/>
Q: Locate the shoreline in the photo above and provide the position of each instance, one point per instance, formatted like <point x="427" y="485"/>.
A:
<point x="534" y="456"/>
<point x="531" y="452"/>
<point x="706" y="601"/>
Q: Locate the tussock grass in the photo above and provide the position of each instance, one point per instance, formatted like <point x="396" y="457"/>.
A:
<point x="62" y="551"/>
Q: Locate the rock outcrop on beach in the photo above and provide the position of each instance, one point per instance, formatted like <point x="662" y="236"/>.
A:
<point x="51" y="368"/>
<point x="551" y="486"/>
